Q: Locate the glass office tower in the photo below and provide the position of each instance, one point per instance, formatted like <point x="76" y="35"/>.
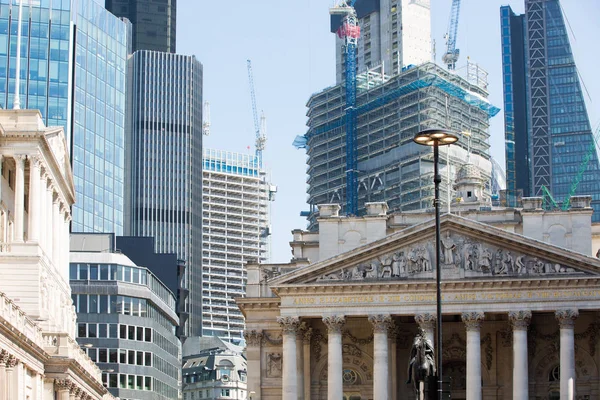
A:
<point x="165" y="178"/>
<point x="154" y="22"/>
<point x="548" y="135"/>
<point x="73" y="69"/>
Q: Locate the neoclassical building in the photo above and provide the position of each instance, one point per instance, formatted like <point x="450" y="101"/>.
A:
<point x="520" y="303"/>
<point x="39" y="357"/>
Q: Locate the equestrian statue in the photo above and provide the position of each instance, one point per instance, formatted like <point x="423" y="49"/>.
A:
<point x="422" y="361"/>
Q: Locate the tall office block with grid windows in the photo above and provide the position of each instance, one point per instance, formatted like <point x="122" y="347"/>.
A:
<point x="549" y="141"/>
<point x="236" y="195"/>
<point x="154" y="22"/>
<point x="73" y="69"/>
<point x="164" y="189"/>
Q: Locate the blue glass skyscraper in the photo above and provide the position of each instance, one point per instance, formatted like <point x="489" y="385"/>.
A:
<point x="549" y="142"/>
<point x="164" y="182"/>
<point x="73" y="69"/>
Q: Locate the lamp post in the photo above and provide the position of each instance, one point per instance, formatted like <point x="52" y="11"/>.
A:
<point x="437" y="138"/>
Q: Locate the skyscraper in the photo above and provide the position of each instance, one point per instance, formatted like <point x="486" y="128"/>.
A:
<point x="391" y="167"/>
<point x="549" y="142"/>
<point x="154" y="22"/>
<point x="236" y="195"/>
<point x="76" y="78"/>
<point x="394" y="33"/>
<point x="164" y="178"/>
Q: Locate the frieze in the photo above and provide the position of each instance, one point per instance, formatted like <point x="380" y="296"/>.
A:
<point x="461" y="256"/>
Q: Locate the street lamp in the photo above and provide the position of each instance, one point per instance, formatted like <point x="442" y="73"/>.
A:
<point x="437" y="138"/>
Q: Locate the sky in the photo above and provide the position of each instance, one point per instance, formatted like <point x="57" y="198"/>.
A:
<point x="293" y="56"/>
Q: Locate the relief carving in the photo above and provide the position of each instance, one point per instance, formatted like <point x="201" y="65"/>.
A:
<point x="274" y="365"/>
<point x="459" y="255"/>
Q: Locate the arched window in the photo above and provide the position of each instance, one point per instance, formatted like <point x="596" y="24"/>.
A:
<point x="554" y="375"/>
<point x="349" y="377"/>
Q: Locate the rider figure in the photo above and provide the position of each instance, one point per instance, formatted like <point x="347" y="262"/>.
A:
<point x="421" y="343"/>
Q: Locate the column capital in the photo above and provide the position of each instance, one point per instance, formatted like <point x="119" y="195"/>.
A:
<point x="289" y="325"/>
<point x="307" y="335"/>
<point x="20" y="157"/>
<point x="473" y="320"/>
<point x="566" y="317"/>
<point x="12" y="361"/>
<point x="334" y="323"/>
<point x="4" y="357"/>
<point x="426" y="320"/>
<point x="381" y="322"/>
<point x="35" y="160"/>
<point x="519" y="319"/>
<point x="253" y="337"/>
<point x="63" y="384"/>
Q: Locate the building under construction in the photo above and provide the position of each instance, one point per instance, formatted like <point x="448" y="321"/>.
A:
<point x="389" y="112"/>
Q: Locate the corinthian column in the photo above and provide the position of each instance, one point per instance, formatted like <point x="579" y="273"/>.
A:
<point x="57" y="236"/>
<point x="472" y="322"/>
<point x="289" y="327"/>
<point x="520" y="322"/>
<point x="12" y="388"/>
<point x="566" y="320"/>
<point x="306" y="350"/>
<point x="19" y="197"/>
<point x="63" y="386"/>
<point x="3" y="382"/>
<point x="253" y="341"/>
<point x="334" y="325"/>
<point x="381" y="324"/>
<point x="33" y="230"/>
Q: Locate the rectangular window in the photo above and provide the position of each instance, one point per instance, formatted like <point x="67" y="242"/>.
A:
<point x="83" y="303"/>
<point x="139" y="358"/>
<point x="112" y="380"/>
<point x="123" y="331"/>
<point x="92" y="331"/>
<point x="136" y="275"/>
<point x="102" y="330"/>
<point x="131" y="355"/>
<point x="94" y="272"/>
<point x="139" y="382"/>
<point x="122" y="356"/>
<point x="140" y="333"/>
<point x="104" y="272"/>
<point x="82" y="331"/>
<point x="147" y="383"/>
<point x="73" y="271"/>
<point x="148" y="357"/>
<point x="131" y="333"/>
<point x="123" y="381"/>
<point x="126" y="301"/>
<point x="93" y="306"/>
<point x="127" y="274"/>
<point x="113" y="328"/>
<point x="113" y="356"/>
<point x="103" y="355"/>
<point x="131" y="381"/>
<point x="83" y="271"/>
<point x="103" y="304"/>
<point x="148" y="334"/>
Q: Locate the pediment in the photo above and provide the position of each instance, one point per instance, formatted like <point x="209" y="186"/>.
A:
<point x="470" y="251"/>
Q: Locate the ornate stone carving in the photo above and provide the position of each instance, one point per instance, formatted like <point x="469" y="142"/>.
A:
<point x="12" y="361"/>
<point x="274" y="365"/>
<point x="289" y="325"/>
<point x="426" y="321"/>
<point x="506" y="336"/>
<point x="566" y="317"/>
<point x="381" y="322"/>
<point x="63" y="384"/>
<point x="253" y="337"/>
<point x="519" y="320"/>
<point x="334" y="323"/>
<point x="275" y="341"/>
<point x="591" y="333"/>
<point x="473" y="320"/>
<point x="307" y="335"/>
<point x="461" y="256"/>
<point x="350" y="349"/>
<point x="488" y="350"/>
<point x="347" y="335"/>
<point x="4" y="357"/>
<point x="316" y="341"/>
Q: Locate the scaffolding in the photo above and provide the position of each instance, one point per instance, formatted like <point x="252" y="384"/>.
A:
<point x="391" y="167"/>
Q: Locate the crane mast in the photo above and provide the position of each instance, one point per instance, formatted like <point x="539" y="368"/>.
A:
<point x="350" y="32"/>
<point x="452" y="53"/>
<point x="259" y="128"/>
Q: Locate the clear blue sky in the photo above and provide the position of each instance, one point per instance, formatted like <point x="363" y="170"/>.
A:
<point x="293" y="56"/>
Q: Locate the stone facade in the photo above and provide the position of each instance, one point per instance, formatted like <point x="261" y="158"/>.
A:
<point x="520" y="305"/>
<point x="39" y="357"/>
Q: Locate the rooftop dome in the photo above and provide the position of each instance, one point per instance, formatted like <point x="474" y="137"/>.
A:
<point x="468" y="172"/>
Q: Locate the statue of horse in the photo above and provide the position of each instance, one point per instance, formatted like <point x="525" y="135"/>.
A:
<point x="422" y="361"/>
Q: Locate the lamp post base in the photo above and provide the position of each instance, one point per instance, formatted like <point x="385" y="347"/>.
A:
<point x="431" y="389"/>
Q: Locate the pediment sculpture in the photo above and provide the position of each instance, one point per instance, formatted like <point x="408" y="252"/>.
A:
<point x="461" y="256"/>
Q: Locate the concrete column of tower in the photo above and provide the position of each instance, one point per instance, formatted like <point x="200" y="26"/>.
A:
<point x="334" y="325"/>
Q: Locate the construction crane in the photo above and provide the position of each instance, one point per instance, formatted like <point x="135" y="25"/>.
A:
<point x="206" y="119"/>
<point x="548" y="200"/>
<point x="452" y="53"/>
<point x="350" y="32"/>
<point x="259" y="128"/>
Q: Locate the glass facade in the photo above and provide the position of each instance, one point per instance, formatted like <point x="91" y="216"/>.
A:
<point x="560" y="149"/>
<point x="73" y="69"/>
<point x="165" y="189"/>
<point x="154" y="22"/>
